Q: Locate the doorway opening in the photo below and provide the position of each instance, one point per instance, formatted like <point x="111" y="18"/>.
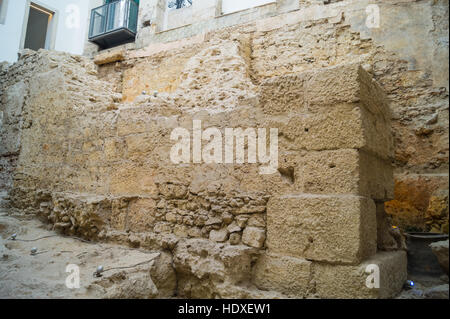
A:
<point x="37" y="34"/>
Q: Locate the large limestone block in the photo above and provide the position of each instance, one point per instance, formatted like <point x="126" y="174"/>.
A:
<point x="141" y="146"/>
<point x="337" y="107"/>
<point x="132" y="179"/>
<point x="284" y="94"/>
<point x="346" y="83"/>
<point x="314" y="91"/>
<point x="284" y="274"/>
<point x="346" y="125"/>
<point x="345" y="171"/>
<point x="377" y="177"/>
<point x="340" y="281"/>
<point x="94" y="125"/>
<point x="134" y="121"/>
<point x="110" y="57"/>
<point x="153" y="115"/>
<point x="338" y="229"/>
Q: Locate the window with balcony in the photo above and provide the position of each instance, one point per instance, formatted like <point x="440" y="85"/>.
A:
<point x="114" y="23"/>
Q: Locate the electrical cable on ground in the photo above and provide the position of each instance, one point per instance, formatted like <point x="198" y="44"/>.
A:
<point x="14" y="237"/>
<point x="100" y="270"/>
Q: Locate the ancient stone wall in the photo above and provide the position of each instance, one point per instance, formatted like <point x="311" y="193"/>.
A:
<point x="98" y="167"/>
<point x="87" y="149"/>
<point x="407" y="55"/>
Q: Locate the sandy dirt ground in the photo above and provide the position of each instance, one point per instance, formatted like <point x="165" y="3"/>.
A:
<point x="44" y="274"/>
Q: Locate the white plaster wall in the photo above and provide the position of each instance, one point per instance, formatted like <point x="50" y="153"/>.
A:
<point x="200" y="10"/>
<point x="183" y="21"/>
<point x="207" y="9"/>
<point x="229" y="6"/>
<point x="69" y="35"/>
<point x="179" y="17"/>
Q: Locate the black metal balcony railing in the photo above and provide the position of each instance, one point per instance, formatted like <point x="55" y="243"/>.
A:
<point x="114" y="23"/>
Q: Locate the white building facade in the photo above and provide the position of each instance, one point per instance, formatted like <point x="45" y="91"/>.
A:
<point x="49" y="24"/>
<point x="159" y="21"/>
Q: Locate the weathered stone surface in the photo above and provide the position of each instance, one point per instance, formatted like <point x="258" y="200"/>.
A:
<point x="127" y="155"/>
<point x="437" y="213"/>
<point x="235" y="238"/>
<point x="419" y="199"/>
<point x="141" y="214"/>
<point x="337" y="229"/>
<point x="233" y="228"/>
<point x="109" y="57"/>
<point x="334" y="281"/>
<point x="346" y="84"/>
<point x="440" y="249"/>
<point x="283" y="95"/>
<point x="150" y="75"/>
<point x="300" y="278"/>
<point x="346" y="171"/>
<point x="211" y="270"/>
<point x="342" y="97"/>
<point x="389" y="237"/>
<point x="285" y="274"/>
<point x="341" y="126"/>
<point x="254" y="237"/>
<point x="218" y="235"/>
<point x="334" y="139"/>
